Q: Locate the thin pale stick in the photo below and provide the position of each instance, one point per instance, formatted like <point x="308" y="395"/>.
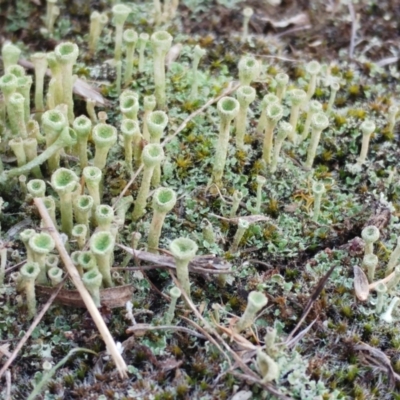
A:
<point x="8" y="381"/>
<point x="373" y="285"/>
<point x="34" y="324"/>
<point x="146" y="327"/>
<point x="87" y="299"/>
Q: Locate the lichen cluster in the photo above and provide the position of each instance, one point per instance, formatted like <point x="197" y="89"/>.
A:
<point x="286" y="173"/>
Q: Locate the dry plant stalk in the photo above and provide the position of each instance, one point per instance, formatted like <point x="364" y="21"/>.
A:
<point x="76" y="279"/>
<point x="386" y="279"/>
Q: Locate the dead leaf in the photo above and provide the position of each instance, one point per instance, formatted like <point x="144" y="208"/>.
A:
<point x="361" y="285"/>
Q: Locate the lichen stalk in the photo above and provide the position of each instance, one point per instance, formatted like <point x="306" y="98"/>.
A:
<point x="334" y="89"/>
<point x="41" y="244"/>
<point x="370" y="235"/>
<point x="298" y="97"/>
<point x="381" y="291"/>
<point x="283" y="132"/>
<point x="132" y="143"/>
<point x="67" y="54"/>
<point x="149" y="104"/>
<point x="370" y="262"/>
<point x="367" y="129"/>
<point x="164" y="200"/>
<point x="28" y="274"/>
<point x="63" y="181"/>
<point x="16" y="115"/>
<point x="387" y="316"/>
<point x="319" y="122"/>
<point x="161" y="43"/>
<point x="255" y="302"/>
<point x="53" y="123"/>
<point x="10" y="54"/>
<point x="39" y="61"/>
<point x="104" y="216"/>
<point x="157" y="121"/>
<point x="82" y="209"/>
<point x="104" y="137"/>
<point x="130" y="38"/>
<point x="92" y="281"/>
<point x="79" y="233"/>
<point x="55" y="275"/>
<point x="24" y="88"/>
<point x="249" y="70"/>
<point x="175" y="293"/>
<point x="93" y="176"/>
<point x="129" y="106"/>
<point x="245" y="96"/>
<point x="243" y="225"/>
<point x="313" y="68"/>
<point x="281" y="80"/>
<point x="198" y="53"/>
<point x="183" y="251"/>
<point x="102" y="246"/>
<point x="274" y="114"/>
<point x="236" y="199"/>
<point x="142" y="42"/>
<point x="152" y="156"/>
<point x="228" y="108"/>
<point x="17" y="146"/>
<point x="37" y="187"/>
<point x="318" y="189"/>
<point x="260" y="183"/>
<point x="313" y="108"/>
<point x="265" y="102"/>
<point x="82" y="126"/>
<point x="57" y="77"/>
<point x="247" y="14"/>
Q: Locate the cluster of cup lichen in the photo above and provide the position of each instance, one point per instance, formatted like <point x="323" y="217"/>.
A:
<point x="290" y="123"/>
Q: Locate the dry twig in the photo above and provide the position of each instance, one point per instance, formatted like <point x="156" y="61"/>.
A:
<point x="76" y="279"/>
<point x="147" y="327"/>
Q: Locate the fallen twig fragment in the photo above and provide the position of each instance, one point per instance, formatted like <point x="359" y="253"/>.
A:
<point x="208" y="264"/>
<point x="94" y="312"/>
<point x="140" y="329"/>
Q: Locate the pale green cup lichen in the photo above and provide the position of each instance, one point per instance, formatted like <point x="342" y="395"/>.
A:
<point x="183" y="251"/>
<point x="255" y="302"/>
<point x="63" y="182"/>
<point x="228" y="108"/>
<point x="102" y="246"/>
<point x="164" y="200"/>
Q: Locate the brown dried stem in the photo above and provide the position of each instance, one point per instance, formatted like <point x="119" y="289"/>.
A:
<point x="87" y="299"/>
